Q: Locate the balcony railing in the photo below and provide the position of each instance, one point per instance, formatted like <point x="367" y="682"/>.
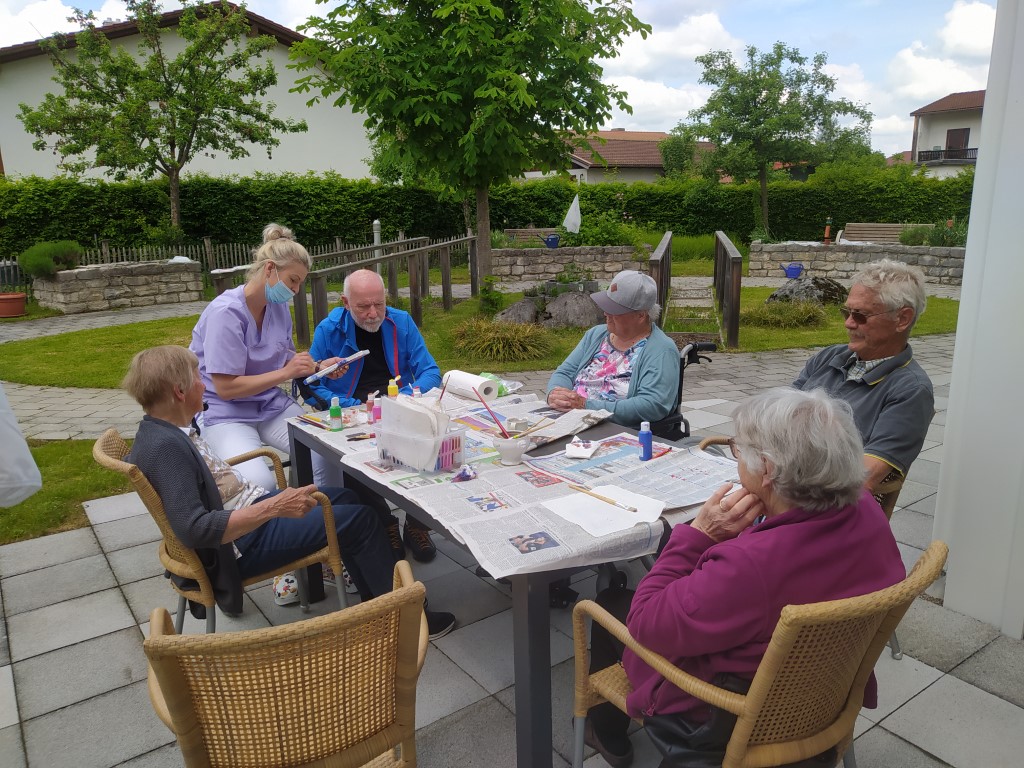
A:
<point x="942" y="155"/>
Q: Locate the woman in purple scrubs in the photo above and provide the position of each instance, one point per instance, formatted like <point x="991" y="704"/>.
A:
<point x="244" y="344"/>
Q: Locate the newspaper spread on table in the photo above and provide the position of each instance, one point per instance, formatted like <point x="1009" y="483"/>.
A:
<point x="500" y="515"/>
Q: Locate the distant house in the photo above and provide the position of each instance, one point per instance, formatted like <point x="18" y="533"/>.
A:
<point x="626" y="156"/>
<point x="946" y="133"/>
<point x="336" y="140"/>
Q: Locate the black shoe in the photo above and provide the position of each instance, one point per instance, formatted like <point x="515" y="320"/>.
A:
<point x="620" y="760"/>
<point x="439" y="623"/>
<point x="417" y="539"/>
<point x="395" y="539"/>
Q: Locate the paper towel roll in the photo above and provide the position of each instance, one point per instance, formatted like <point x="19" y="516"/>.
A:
<point x="461" y="384"/>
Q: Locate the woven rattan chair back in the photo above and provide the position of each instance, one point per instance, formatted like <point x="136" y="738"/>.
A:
<point x="337" y="690"/>
<point x="810" y="684"/>
<point x="109" y="451"/>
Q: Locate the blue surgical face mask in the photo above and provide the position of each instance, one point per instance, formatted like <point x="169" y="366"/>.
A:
<point x="279" y="293"/>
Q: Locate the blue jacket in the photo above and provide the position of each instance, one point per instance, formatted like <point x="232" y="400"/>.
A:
<point x="653" y="387"/>
<point x="404" y="348"/>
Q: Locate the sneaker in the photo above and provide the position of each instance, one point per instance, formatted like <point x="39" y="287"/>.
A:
<point x="395" y="539"/>
<point x="417" y="539"/>
<point x="439" y="623"/>
<point x="286" y="589"/>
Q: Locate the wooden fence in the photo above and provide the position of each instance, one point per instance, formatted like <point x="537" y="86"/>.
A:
<point x="660" y="268"/>
<point x="211" y="256"/>
<point x="728" y="274"/>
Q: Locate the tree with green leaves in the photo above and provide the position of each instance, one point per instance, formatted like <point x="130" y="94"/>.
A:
<point x="778" y="109"/>
<point x="679" y="152"/>
<point x="147" y="113"/>
<point x="478" y="90"/>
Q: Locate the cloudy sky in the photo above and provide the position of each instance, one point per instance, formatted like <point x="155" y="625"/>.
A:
<point x="892" y="56"/>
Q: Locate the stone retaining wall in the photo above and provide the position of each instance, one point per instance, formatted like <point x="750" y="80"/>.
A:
<point x="940" y="265"/>
<point x="114" y="286"/>
<point x="539" y="264"/>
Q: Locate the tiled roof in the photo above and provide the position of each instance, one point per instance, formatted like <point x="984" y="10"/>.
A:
<point x="118" y="29"/>
<point x="627" y="149"/>
<point x="954" y="102"/>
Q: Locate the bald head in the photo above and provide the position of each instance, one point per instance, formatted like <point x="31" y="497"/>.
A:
<point x="363" y="296"/>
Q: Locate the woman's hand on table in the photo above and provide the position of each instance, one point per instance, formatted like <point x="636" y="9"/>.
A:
<point x="563" y="399"/>
<point x="724" y="517"/>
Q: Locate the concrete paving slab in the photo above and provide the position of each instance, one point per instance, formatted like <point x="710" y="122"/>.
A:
<point x="913" y="492"/>
<point x="12" y="751"/>
<point x="276" y="615"/>
<point x="942" y="638"/>
<point x="136" y="563"/>
<point x="880" y="747"/>
<point x="466" y="595"/>
<point x="700" y="404"/>
<point x="912" y="527"/>
<point x="100" y="732"/>
<point x="167" y="756"/>
<point x="997" y="668"/>
<point x="925" y="506"/>
<point x="932" y="453"/>
<point x="455" y="552"/>
<point x="127" y="532"/>
<point x="77" y="672"/>
<point x="443" y="689"/>
<point x="439" y="566"/>
<point x="8" y="701"/>
<point x="898" y="682"/>
<point x="459" y="739"/>
<point x="924" y="472"/>
<point x="562" y="692"/>
<point x="63" y="624"/>
<point x="484" y="650"/>
<point x="31" y="555"/>
<point x="35" y="589"/>
<point x="705" y="419"/>
<point x="114" y="508"/>
<point x="961" y="725"/>
<point x="146" y="594"/>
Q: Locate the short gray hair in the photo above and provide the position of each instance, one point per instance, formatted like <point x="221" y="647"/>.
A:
<point x="155" y="372"/>
<point x="654" y="313"/>
<point x="897" y="284"/>
<point x="811" y="442"/>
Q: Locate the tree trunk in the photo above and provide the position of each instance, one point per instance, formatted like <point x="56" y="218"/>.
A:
<point x="483" y="233"/>
<point x="762" y="175"/>
<point x="175" y="193"/>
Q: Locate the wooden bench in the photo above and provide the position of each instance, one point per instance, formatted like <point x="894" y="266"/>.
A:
<point x="223" y="279"/>
<point x="860" y="232"/>
<point x="528" y="233"/>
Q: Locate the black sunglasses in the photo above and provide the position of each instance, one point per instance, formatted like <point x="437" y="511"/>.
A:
<point x="859" y="317"/>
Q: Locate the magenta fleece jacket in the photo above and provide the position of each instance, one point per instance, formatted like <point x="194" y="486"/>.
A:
<point x="712" y="608"/>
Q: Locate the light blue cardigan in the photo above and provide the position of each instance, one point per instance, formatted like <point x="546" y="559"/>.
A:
<point x="653" y="387"/>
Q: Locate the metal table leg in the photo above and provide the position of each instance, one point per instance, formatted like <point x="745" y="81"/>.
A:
<point x="531" y="624"/>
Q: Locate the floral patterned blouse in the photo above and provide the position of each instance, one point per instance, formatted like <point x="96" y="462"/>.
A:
<point x="607" y="375"/>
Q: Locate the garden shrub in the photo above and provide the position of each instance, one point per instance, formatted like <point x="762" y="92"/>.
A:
<point x="914" y="235"/>
<point x="47" y="258"/>
<point x="785" y="314"/>
<point x="503" y="342"/>
<point x="491" y="299"/>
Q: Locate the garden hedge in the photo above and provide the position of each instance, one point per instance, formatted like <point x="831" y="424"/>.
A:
<point x="318" y="208"/>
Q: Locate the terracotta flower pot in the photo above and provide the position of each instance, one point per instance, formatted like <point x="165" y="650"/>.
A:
<point x="12" y="304"/>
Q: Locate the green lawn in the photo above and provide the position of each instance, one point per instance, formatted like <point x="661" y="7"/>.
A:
<point x="70" y="476"/>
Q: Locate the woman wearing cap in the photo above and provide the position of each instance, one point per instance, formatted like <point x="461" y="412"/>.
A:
<point x="628" y="365"/>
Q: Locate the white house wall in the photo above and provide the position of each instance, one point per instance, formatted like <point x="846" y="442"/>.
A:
<point x="336" y="140"/>
<point x="932" y="129"/>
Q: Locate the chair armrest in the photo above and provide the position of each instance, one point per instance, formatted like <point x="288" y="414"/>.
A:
<point x="711" y="694"/>
<point x="159" y="625"/>
<point x="404" y="578"/>
<point x="268" y="453"/>
<point x="716" y="440"/>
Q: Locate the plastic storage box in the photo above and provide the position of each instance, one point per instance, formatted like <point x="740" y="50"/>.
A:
<point x="424" y="454"/>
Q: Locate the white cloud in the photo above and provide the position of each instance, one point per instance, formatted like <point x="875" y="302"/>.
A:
<point x="913" y="73"/>
<point x="968" y="30"/>
<point x="668" y="54"/>
<point x="25" y="22"/>
<point x="891" y="134"/>
<point x="850" y="83"/>
<point x="656" y="106"/>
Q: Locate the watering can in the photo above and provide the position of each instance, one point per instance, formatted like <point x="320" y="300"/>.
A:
<point x="551" y="241"/>
<point x="793" y="270"/>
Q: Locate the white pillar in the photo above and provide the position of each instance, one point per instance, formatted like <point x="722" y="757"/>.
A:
<point x="980" y="507"/>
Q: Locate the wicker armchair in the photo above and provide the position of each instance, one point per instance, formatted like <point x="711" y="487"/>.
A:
<point x="809" y="687"/>
<point x="109" y="451"/>
<point x="336" y="690"/>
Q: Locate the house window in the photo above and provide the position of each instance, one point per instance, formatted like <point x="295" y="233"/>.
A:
<point x="956" y="143"/>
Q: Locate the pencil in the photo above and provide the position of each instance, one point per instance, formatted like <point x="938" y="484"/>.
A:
<point x="315" y="422"/>
<point x="605" y="499"/>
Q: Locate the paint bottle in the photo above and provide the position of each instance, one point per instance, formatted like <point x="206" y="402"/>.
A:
<point x="371" y="410"/>
<point x="375" y="416"/>
<point x="392" y="388"/>
<point x="646" y="441"/>
<point x="416" y="392"/>
<point x="335" y="413"/>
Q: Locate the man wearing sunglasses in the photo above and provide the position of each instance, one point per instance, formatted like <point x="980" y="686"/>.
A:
<point x="875" y="372"/>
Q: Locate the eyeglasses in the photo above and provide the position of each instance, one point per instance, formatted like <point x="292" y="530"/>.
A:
<point x="734" y="448"/>
<point x="859" y="317"/>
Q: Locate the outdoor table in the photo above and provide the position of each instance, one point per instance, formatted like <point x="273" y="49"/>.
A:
<point x="531" y="621"/>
